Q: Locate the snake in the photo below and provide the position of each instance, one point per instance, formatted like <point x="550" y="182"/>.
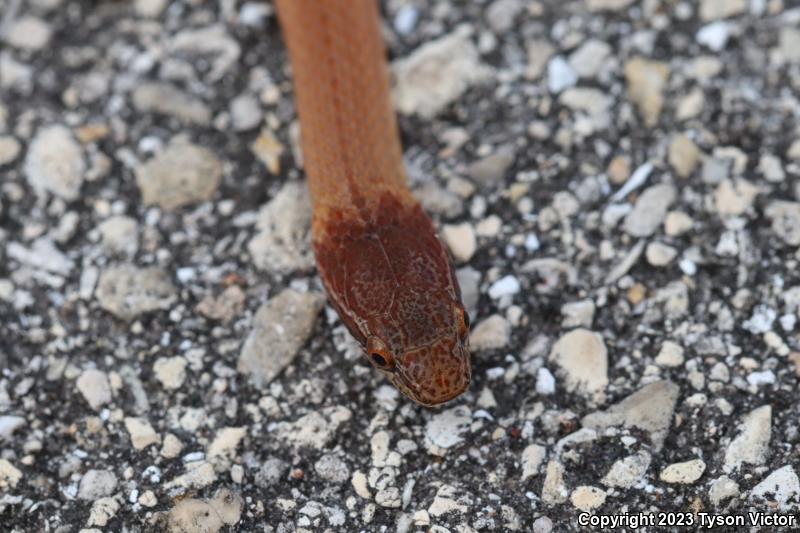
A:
<point x="385" y="271"/>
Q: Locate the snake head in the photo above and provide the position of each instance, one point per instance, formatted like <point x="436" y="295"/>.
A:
<point x="431" y="374"/>
<point x="391" y="280"/>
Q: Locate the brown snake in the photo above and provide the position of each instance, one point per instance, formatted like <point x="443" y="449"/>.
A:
<point x="386" y="272"/>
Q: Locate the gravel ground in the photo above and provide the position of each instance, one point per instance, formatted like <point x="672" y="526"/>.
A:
<point x="617" y="180"/>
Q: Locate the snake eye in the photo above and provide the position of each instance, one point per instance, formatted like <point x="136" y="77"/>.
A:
<point x="379" y="354"/>
<point x="379" y="360"/>
<point x="466" y="319"/>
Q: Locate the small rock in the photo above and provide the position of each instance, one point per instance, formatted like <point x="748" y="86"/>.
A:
<point x="544" y="524"/>
<point x="554" y="490"/>
<point x="225" y="442"/>
<point x="761" y="321"/>
<point x="42" y="255"/>
<point x="539" y="53"/>
<point x="359" y="482"/>
<point x="460" y="239"/>
<point x="94" y="387"/>
<point x="103" y="510"/>
<point x="582" y="356"/>
<point x="97" y="484"/>
<point x="686" y="472"/>
<point x="587" y="498"/>
<point x="9" y="149"/>
<point x="280" y="328"/>
<point x="127" y="291"/>
<point x="198" y="474"/>
<point x="445" y="429"/>
<point x="245" y="112"/>
<point x="545" y="382"/>
<point x="9" y="475"/>
<point x="752" y="443"/>
<point x="532" y="458"/>
<point x="436" y="199"/>
<point x="619" y="169"/>
<point x="650" y="408"/>
<point x="171" y="447"/>
<point x="493" y="167"/>
<point x="141" y="432"/>
<point x="315" y="429"/>
<point x="691" y="105"/>
<point x="55" y="163"/>
<point x="8" y="425"/>
<point x="501" y="14"/>
<point x="165" y="99"/>
<point x="148" y="499"/>
<point x="268" y="149"/>
<point x="677" y="223"/>
<point x="670" y="355"/>
<point x="181" y="175"/>
<point x="589" y="59"/>
<point x="646" y="81"/>
<point x="505" y="286"/>
<point x="560" y="75"/>
<point x="721" y="489"/>
<point x="785" y="218"/>
<point x="628" y="471"/>
<point x="650" y="210"/>
<point x="781" y="486"/>
<point x="170" y="371"/>
<point x="591" y="101"/>
<point x="468" y="280"/>
<point x="789" y="44"/>
<point x="577" y="314"/>
<point x="436" y="74"/>
<point x="150" y="8"/>
<point x="283" y="242"/>
<point x="714" y="36"/>
<point x="331" y="468"/>
<point x="757" y="379"/>
<point x="446" y="501"/>
<point x="715" y="10"/>
<point x="683" y="155"/>
<point x="715" y="170"/>
<point x="492" y="333"/>
<point x="271" y="472"/>
<point x="192" y="515"/>
<point x="734" y="197"/>
<point x="608" y="5"/>
<point x="28" y="33"/>
<point x="226" y="307"/>
<point x="406" y="19"/>
<point x="771" y="168"/>
<point x="120" y="236"/>
<point x="659" y="254"/>
<point x="793" y="152"/>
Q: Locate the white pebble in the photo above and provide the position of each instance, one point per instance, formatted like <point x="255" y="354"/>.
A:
<point x="505" y="286"/>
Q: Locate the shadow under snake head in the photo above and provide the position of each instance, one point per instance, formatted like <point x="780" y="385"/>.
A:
<point x="391" y="280"/>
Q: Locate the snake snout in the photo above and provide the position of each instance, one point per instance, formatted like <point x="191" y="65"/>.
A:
<point x="436" y="374"/>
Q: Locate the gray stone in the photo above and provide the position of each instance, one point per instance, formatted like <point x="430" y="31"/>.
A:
<point x="280" y="328"/>
<point x="650" y="408"/>
<point x="165" y="99"/>
<point x="181" y="175"/>
<point x="55" y="163"/>
<point x="127" y="291"/>
<point x="436" y="74"/>
<point x="650" y="210"/>
<point x="97" y="484"/>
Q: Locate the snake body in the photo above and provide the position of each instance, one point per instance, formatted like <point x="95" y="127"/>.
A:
<point x="384" y="269"/>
